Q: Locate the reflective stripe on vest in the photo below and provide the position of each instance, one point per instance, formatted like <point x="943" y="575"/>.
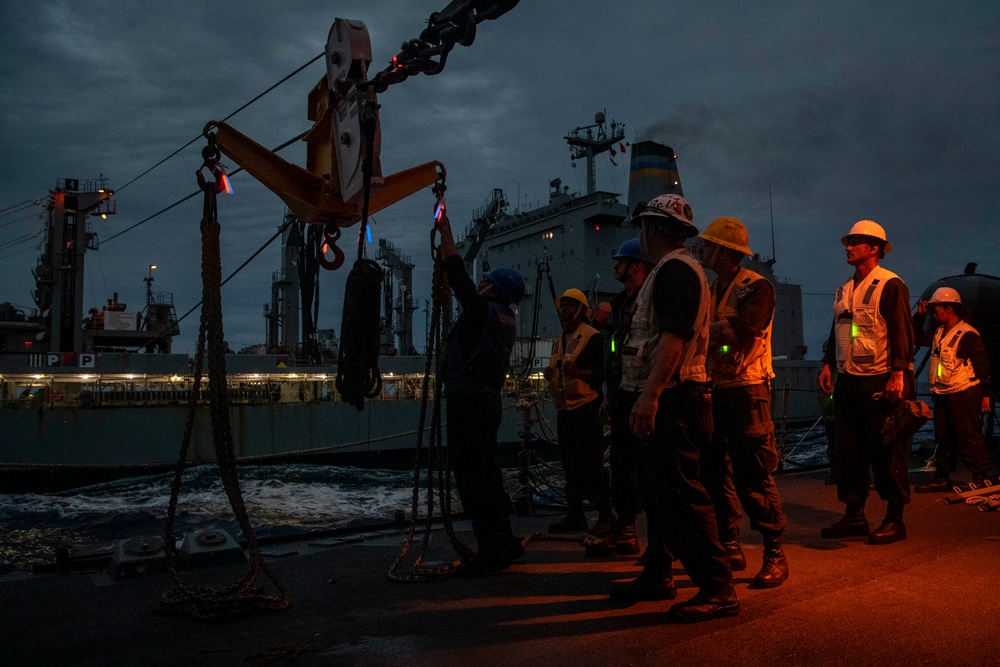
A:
<point x="644" y="336"/>
<point x="571" y="393"/>
<point x="738" y="365"/>
<point x="860" y="331"/>
<point x="947" y="373"/>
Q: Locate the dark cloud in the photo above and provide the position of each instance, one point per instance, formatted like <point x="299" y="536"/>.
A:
<point x="845" y="110"/>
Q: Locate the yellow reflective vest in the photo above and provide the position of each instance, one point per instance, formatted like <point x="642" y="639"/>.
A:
<point x="739" y="365"/>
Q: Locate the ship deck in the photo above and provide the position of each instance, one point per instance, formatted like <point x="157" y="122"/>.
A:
<point x="929" y="600"/>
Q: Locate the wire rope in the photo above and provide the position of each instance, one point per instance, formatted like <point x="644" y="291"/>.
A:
<point x="229" y="277"/>
<point x="197" y="192"/>
<point x="3" y="211"/>
<point x="286" y="78"/>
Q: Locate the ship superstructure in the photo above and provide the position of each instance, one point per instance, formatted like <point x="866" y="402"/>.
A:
<point x="574" y="235"/>
<point x="58" y="326"/>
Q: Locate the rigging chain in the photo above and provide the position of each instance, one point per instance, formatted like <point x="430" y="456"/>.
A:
<point x="245" y="596"/>
<point x="455" y="24"/>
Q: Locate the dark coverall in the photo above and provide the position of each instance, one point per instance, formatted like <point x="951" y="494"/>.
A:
<point x="737" y="468"/>
<point x="668" y="461"/>
<point x="859" y="417"/>
<point x="624" y="495"/>
<point x="958" y="417"/>
<point x="581" y="444"/>
<point x="477" y="359"/>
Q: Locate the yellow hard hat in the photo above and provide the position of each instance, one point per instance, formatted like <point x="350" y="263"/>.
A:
<point x="576" y="295"/>
<point x="729" y="233"/>
<point x="868" y="228"/>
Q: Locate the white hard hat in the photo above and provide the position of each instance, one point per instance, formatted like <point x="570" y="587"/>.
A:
<point x="868" y="228"/>
<point x="945" y="295"/>
<point x="673" y="208"/>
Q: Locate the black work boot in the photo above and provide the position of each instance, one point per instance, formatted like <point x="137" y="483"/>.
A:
<point x="774" y="572"/>
<point x="852" y="524"/>
<point x="488" y="560"/>
<point x="705" y="606"/>
<point x="734" y="552"/>
<point x="574" y="522"/>
<point x="649" y="585"/>
<point x="892" y="528"/>
<point x="512" y="545"/>
<point x="622" y="542"/>
<point x="604" y="526"/>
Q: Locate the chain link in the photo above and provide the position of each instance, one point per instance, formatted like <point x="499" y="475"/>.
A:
<point x="427" y="54"/>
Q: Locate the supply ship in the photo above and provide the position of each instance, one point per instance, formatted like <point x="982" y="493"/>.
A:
<point x="568" y="243"/>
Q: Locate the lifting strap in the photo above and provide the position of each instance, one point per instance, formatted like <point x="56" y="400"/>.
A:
<point x="245" y="596"/>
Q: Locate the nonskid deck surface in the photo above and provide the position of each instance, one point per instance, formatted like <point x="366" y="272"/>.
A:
<point x="929" y="600"/>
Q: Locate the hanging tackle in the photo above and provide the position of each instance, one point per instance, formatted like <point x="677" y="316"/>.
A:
<point x="333" y="190"/>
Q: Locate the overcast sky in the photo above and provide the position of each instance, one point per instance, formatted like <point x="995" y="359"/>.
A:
<point x="847" y="110"/>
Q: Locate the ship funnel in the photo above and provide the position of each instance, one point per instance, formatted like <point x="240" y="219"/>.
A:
<point x="653" y="172"/>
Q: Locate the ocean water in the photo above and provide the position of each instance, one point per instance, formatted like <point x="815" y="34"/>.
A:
<point x="280" y="500"/>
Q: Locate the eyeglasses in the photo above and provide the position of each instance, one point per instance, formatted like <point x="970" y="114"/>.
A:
<point x="857" y="239"/>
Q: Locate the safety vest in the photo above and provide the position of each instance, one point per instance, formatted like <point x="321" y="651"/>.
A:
<point x="948" y="374"/>
<point x="621" y="308"/>
<point x="645" y="335"/>
<point x="569" y="393"/>
<point x="739" y="365"/>
<point x="861" y="333"/>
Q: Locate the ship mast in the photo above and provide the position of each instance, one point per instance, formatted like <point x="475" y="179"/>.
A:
<point x="60" y="271"/>
<point x="591" y="140"/>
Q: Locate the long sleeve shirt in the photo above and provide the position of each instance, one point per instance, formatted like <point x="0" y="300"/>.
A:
<point x="970" y="348"/>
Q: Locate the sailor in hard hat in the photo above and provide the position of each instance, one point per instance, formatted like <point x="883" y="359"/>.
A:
<point x="630" y="269"/>
<point x="576" y="375"/>
<point x="477" y="359"/>
<point x="664" y="360"/>
<point x="871" y="345"/>
<point x="959" y="376"/>
<point x="743" y="451"/>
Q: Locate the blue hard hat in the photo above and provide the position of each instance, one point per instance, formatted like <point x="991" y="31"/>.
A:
<point x="630" y="249"/>
<point x="508" y="281"/>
